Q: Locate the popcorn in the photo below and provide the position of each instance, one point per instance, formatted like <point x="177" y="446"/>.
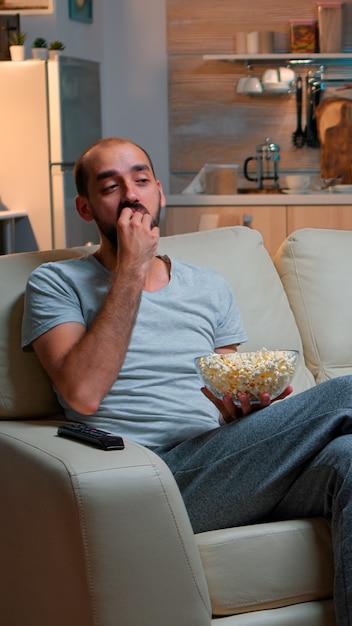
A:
<point x="252" y="373"/>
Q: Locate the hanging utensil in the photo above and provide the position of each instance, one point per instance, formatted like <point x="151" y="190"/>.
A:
<point x="313" y="86"/>
<point x="316" y="95"/>
<point x="298" y="137"/>
<point x="309" y="109"/>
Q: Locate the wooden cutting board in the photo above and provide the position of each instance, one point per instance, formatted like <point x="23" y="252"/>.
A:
<point x="334" y="123"/>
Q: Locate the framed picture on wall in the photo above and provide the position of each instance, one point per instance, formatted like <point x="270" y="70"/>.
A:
<point x="26" y="7"/>
<point x="80" y="10"/>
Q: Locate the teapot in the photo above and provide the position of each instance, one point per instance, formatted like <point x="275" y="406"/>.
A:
<point x="267" y="164"/>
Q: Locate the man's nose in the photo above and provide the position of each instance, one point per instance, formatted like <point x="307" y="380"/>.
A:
<point x="129" y="192"/>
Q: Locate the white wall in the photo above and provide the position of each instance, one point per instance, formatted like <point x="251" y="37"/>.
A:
<point x="128" y="38"/>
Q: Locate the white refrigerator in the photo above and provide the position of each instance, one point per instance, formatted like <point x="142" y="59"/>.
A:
<point x="50" y="112"/>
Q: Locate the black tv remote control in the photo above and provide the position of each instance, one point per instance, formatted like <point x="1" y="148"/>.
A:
<point x="95" y="437"/>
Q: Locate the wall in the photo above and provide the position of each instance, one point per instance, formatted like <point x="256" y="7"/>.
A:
<point x="208" y="121"/>
<point x="178" y="100"/>
<point x="130" y="44"/>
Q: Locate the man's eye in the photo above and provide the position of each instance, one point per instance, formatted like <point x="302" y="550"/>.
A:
<point x="110" y="188"/>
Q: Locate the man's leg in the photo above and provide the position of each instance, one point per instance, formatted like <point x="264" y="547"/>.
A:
<point x="328" y="481"/>
<point x="265" y="466"/>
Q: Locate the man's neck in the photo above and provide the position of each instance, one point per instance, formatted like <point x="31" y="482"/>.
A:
<point x="158" y="275"/>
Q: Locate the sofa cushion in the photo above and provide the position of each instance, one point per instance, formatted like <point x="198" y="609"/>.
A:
<point x="265" y="566"/>
<point x="315" y="266"/>
<point x="238" y="253"/>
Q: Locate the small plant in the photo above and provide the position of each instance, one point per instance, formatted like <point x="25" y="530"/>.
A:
<point x="39" y="42"/>
<point x="18" y="39"/>
<point x="57" y="45"/>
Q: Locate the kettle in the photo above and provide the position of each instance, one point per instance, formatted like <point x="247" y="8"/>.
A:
<point x="267" y="159"/>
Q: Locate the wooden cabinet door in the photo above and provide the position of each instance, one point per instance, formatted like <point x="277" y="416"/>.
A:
<point x="327" y="216"/>
<point x="270" y="221"/>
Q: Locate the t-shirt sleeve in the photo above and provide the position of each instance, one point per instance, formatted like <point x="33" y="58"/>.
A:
<point x="49" y="301"/>
<point x="230" y="329"/>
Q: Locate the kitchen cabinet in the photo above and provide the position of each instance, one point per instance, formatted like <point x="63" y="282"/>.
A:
<point x="270" y="221"/>
<point x="275" y="216"/>
<point x="337" y="217"/>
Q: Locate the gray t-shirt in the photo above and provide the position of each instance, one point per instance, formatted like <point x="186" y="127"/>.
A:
<point x="156" y="399"/>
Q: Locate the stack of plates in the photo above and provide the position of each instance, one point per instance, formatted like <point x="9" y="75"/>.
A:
<point x="342" y="188"/>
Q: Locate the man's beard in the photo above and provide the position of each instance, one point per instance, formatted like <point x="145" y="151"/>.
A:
<point x="110" y="232"/>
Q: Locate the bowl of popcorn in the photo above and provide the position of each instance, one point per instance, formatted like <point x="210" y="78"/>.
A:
<point x="250" y="373"/>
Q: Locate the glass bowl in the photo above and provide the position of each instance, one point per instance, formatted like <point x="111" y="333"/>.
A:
<point x="251" y="373"/>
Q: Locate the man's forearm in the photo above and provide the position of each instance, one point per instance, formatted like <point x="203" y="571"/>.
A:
<point x="91" y="366"/>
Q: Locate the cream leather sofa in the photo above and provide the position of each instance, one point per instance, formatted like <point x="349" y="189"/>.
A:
<point x="103" y="538"/>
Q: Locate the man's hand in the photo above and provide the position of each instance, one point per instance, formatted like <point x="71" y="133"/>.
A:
<point x="230" y="412"/>
<point x="138" y="240"/>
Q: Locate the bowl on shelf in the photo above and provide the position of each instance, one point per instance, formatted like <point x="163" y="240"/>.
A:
<point x="251" y="373"/>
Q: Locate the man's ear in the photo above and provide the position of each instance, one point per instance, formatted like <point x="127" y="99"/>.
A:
<point x="83" y="209"/>
<point x="162" y="196"/>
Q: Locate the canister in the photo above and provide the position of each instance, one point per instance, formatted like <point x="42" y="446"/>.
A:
<point x="303" y="35"/>
<point x="330" y="26"/>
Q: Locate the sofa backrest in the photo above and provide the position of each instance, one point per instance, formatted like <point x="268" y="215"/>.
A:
<point x="237" y="252"/>
<point x="25" y="390"/>
<point x="315" y="266"/>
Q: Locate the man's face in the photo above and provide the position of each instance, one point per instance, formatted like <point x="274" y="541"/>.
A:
<point x="119" y="176"/>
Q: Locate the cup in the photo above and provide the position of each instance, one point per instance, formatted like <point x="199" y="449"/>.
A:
<point x="270" y="76"/>
<point x="297" y="182"/>
<point x="241" y="84"/>
<point x="253" y="42"/>
<point x="287" y="75"/>
<point x="266" y="42"/>
<point x="253" y="85"/>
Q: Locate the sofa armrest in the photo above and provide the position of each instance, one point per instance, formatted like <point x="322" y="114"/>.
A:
<point x="93" y="537"/>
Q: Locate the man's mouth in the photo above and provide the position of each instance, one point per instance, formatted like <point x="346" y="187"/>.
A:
<point x="139" y="209"/>
<point x="135" y="208"/>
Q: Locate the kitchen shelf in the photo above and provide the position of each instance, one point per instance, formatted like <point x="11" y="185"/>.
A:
<point x="319" y="58"/>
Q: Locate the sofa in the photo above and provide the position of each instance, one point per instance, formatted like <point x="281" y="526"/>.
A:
<point x="99" y="538"/>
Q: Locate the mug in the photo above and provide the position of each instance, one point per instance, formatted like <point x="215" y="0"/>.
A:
<point x="271" y="76"/>
<point x="241" y="85"/>
<point x="253" y="42"/>
<point x="297" y="182"/>
<point x="266" y="42"/>
<point x="253" y="85"/>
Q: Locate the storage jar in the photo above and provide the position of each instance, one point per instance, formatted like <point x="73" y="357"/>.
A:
<point x="330" y="26"/>
<point x="303" y="34"/>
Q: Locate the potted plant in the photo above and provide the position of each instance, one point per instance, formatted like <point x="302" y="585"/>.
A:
<point x="55" y="49"/>
<point x="40" y="49"/>
<point x="17" y="47"/>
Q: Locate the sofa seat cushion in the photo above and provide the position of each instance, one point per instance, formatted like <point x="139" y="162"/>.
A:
<point x="315" y="267"/>
<point x="265" y="566"/>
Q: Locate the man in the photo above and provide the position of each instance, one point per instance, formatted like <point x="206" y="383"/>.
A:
<point x="118" y="331"/>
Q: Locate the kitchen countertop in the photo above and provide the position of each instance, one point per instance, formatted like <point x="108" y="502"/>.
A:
<point x="260" y="199"/>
